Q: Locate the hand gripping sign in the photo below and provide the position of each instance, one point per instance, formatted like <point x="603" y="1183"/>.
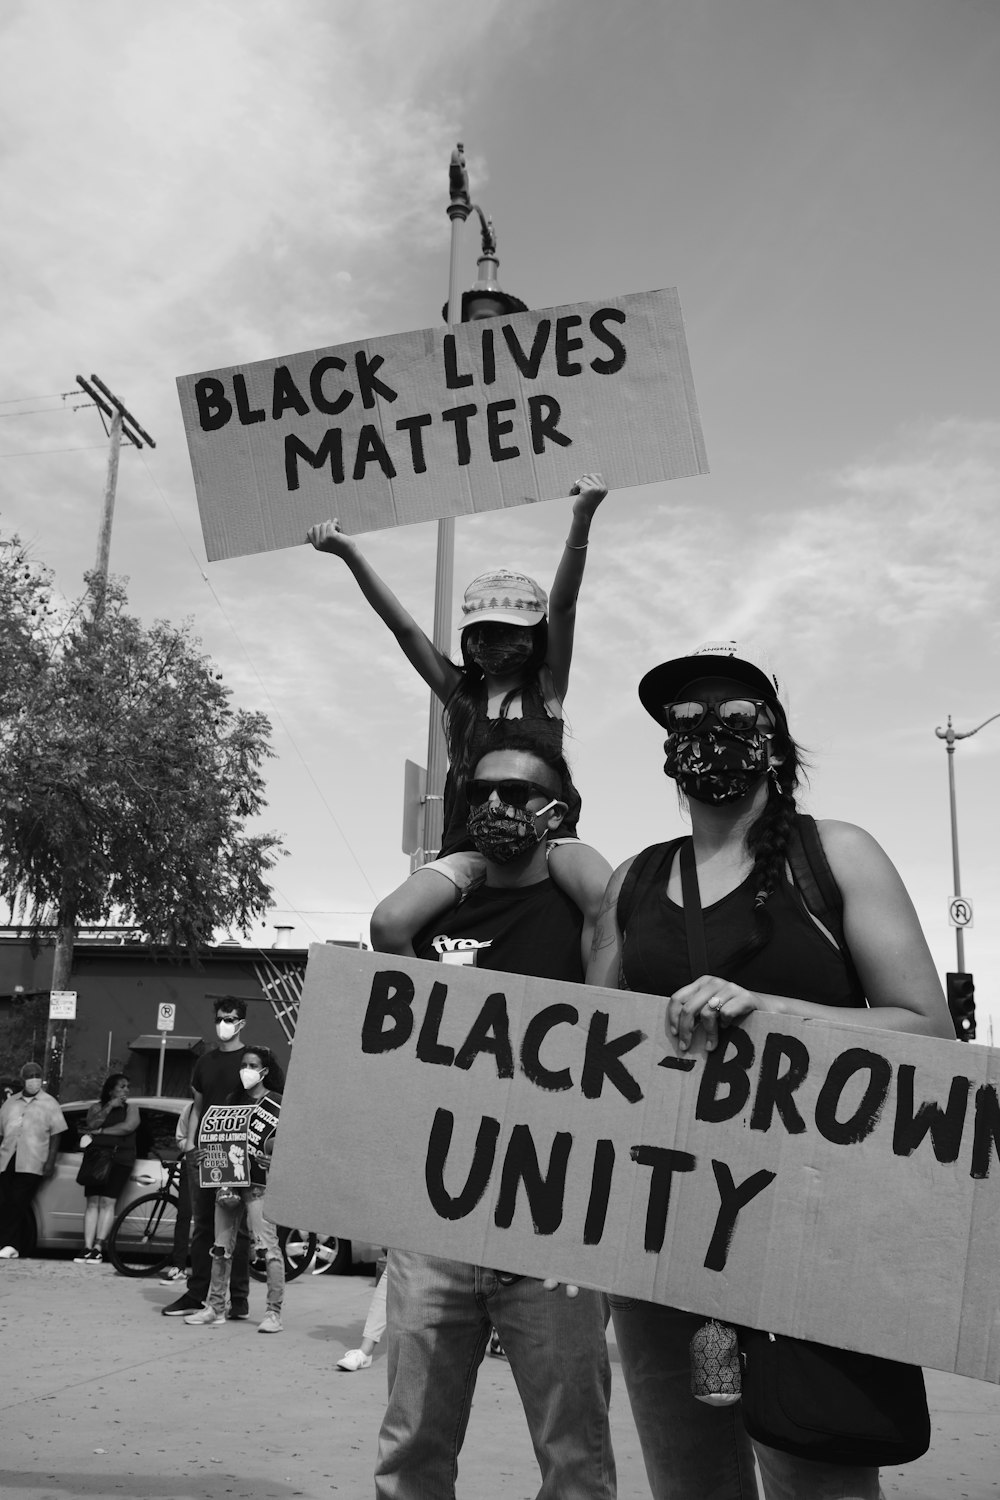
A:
<point x="442" y="422"/>
<point x="828" y="1181"/>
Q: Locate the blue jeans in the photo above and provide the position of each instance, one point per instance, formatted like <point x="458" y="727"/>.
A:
<point x="228" y="1220"/>
<point x="203" y="1236"/>
<point x="694" y="1451"/>
<point x="439" y="1318"/>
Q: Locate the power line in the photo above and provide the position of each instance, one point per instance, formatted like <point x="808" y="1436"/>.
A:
<point x="32" y="452"/>
<point x="45" y="410"/>
<point x="52" y="396"/>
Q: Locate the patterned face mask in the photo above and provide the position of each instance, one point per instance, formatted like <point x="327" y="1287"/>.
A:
<point x="503" y="833"/>
<point x="500" y="651"/>
<point x="716" y="765"/>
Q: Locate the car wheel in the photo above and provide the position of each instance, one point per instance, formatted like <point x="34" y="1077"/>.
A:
<point x="298" y="1246"/>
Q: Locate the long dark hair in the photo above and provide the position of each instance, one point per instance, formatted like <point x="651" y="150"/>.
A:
<point x="459" y="713"/>
<point x="108" y="1087"/>
<point x="768" y="835"/>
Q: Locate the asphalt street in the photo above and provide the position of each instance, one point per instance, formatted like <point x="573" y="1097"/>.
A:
<point x="101" y="1396"/>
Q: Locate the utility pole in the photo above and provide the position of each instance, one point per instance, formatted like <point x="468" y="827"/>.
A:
<point x="122" y="424"/>
<point x="484" y="300"/>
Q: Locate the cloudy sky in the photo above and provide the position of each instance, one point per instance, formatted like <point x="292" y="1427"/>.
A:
<point x="197" y="185"/>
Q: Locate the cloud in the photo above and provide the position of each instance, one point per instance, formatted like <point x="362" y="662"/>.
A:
<point x="889" y="550"/>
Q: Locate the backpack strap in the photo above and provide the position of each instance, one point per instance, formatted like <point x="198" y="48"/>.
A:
<point x="817" y="885"/>
<point x="641" y="875"/>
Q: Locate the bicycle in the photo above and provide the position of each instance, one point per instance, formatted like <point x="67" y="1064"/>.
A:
<point x="141" y="1239"/>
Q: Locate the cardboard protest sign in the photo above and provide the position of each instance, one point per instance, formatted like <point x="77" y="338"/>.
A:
<point x="223" y="1135"/>
<point x="442" y="422"/>
<point x="832" y="1182"/>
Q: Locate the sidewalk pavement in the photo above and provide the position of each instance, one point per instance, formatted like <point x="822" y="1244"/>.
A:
<point x="101" y="1397"/>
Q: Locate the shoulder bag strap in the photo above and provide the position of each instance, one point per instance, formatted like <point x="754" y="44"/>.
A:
<point x="694" y="921"/>
<point x="818" y="886"/>
<point x="638" y="878"/>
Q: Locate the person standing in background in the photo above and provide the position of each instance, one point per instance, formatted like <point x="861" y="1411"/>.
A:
<point x="112" y="1124"/>
<point x="31" y="1123"/>
<point x="216" y="1076"/>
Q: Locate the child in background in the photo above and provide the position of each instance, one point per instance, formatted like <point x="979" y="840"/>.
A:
<point x="258" y="1064"/>
<point x="515" y="671"/>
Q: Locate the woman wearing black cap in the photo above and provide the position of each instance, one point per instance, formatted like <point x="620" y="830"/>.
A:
<point x="730" y="752"/>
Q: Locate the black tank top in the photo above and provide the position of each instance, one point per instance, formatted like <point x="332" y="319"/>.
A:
<point x="799" y="960"/>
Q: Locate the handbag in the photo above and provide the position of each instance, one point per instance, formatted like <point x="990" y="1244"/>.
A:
<point x="832" y="1405"/>
<point x="95" y="1168"/>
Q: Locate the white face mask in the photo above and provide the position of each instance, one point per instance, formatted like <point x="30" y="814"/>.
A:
<point x="226" y="1030"/>
<point x="31" y="1085"/>
<point x="250" y="1077"/>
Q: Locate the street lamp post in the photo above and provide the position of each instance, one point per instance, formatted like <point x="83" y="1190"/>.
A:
<point x="485" y="300"/>
<point x="950" y="735"/>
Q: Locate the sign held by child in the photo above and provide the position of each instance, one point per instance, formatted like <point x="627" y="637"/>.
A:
<point x="441" y="422"/>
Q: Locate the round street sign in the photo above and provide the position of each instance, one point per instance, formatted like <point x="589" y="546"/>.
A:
<point x="165" y="1016"/>
<point x="960" y="911"/>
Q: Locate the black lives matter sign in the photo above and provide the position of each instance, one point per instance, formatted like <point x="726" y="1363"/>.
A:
<point x="441" y="422"/>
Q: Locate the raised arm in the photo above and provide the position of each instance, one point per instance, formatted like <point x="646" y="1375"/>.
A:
<point x="589" y="490"/>
<point x="440" y="674"/>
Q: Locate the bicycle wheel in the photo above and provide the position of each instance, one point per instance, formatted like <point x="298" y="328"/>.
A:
<point x="142" y="1237"/>
<point x="298" y="1246"/>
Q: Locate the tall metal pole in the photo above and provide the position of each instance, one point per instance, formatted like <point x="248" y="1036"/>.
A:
<point x="459" y="208"/>
<point x="949" y="736"/>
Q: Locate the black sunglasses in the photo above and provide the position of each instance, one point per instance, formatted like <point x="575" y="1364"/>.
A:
<point x="734" y="713"/>
<point x="512" y="793"/>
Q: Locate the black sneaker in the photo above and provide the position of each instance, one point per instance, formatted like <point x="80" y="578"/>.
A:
<point x="238" y="1308"/>
<point x="183" y="1306"/>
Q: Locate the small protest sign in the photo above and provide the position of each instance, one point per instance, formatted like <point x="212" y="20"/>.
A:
<point x="442" y="422"/>
<point x="830" y="1181"/>
<point x="223" y="1136"/>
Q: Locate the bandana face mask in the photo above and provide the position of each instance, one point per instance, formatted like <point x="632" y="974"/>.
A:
<point x="500" y="651"/>
<point x="715" y="764"/>
<point x="503" y="833"/>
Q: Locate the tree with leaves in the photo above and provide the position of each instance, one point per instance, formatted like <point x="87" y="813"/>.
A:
<point x="127" y="777"/>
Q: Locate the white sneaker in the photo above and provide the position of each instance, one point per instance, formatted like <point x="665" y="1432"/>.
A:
<point x="205" y="1316"/>
<point x="271" y="1322"/>
<point x="9" y="1253"/>
<point x="354" y="1359"/>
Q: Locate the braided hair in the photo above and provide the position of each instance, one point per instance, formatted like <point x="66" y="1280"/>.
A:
<point x="767" y="837"/>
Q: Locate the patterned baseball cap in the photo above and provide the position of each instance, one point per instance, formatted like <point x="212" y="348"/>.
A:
<point x="740" y="660"/>
<point x="511" y="598"/>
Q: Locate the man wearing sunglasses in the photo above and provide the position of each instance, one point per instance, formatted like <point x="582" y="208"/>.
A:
<point x="440" y="1312"/>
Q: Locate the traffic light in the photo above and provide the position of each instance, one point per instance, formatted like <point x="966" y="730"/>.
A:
<point x="962" y="1004"/>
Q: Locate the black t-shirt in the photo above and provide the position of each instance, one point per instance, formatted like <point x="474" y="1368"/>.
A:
<point x="533" y="929"/>
<point x="217" y="1075"/>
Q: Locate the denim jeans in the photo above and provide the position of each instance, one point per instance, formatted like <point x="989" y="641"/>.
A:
<point x="203" y="1236"/>
<point x="228" y="1216"/>
<point x="439" y="1318"/>
<point x="694" y="1451"/>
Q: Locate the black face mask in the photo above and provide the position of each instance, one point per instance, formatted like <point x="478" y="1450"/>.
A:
<point x="502" y="833"/>
<point x="501" y="652"/>
<point x="715" y="764"/>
